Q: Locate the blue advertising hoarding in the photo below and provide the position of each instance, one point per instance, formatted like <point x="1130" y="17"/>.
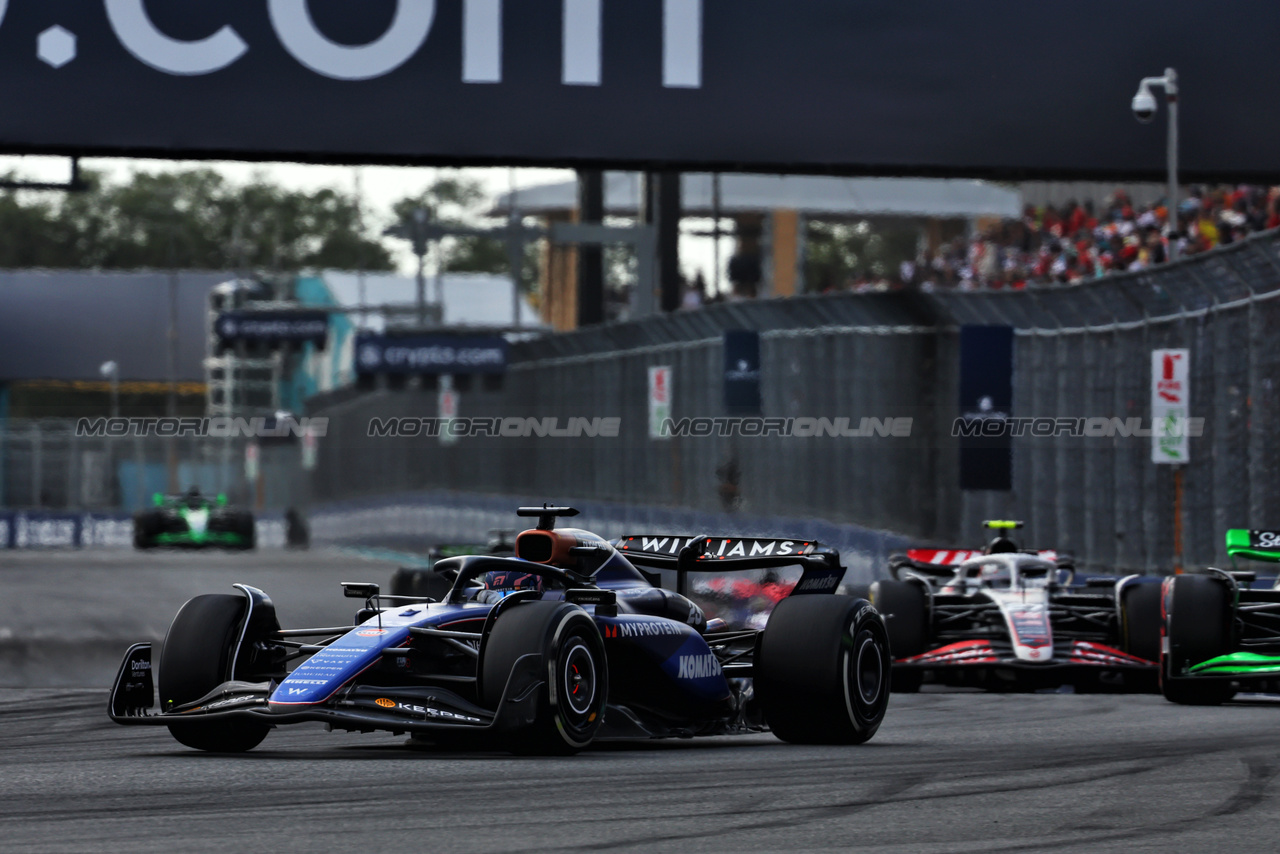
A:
<point x="430" y="354"/>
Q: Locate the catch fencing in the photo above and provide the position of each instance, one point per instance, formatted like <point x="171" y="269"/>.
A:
<point x="1081" y="351"/>
<point x="46" y="466"/>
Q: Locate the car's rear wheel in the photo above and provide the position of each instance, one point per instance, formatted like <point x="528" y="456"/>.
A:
<point x="196" y="659"/>
<point x="1197" y="627"/>
<point x="822" y="670"/>
<point x="1140" y="620"/>
<point x="903" y="605"/>
<point x="143" y="532"/>
<point x="248" y="532"/>
<point x="572" y="701"/>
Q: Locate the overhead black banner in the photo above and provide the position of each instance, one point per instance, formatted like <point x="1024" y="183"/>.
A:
<point x="987" y="87"/>
<point x="986" y="402"/>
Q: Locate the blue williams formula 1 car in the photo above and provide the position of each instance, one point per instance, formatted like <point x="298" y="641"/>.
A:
<point x="544" y="652"/>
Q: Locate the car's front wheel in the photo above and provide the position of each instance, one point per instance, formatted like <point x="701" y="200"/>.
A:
<point x="572" y="701"/>
<point x="822" y="670"/>
<point x="1197" y="627"/>
<point x="196" y="659"/>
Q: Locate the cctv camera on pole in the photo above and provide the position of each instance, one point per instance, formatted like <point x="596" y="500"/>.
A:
<point x="1144" y="110"/>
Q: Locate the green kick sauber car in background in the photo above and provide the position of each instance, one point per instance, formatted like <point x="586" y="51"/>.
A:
<point x="193" y="521"/>
<point x="1221" y="631"/>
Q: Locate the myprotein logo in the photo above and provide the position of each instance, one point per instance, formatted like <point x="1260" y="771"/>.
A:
<point x="483" y="42"/>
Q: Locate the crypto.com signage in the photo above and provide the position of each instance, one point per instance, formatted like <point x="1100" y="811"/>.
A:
<point x="1000" y="87"/>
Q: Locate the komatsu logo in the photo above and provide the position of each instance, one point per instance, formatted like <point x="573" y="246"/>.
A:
<point x="820" y="583"/>
<point x="698" y="666"/>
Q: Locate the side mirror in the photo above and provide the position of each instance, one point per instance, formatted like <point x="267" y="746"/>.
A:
<point x="359" y="590"/>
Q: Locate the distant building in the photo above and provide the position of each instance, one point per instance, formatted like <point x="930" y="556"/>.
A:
<point x="57" y="328"/>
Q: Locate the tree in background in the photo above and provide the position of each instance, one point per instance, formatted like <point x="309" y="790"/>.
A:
<point x="837" y="254"/>
<point x="191" y="219"/>
<point x="456" y="200"/>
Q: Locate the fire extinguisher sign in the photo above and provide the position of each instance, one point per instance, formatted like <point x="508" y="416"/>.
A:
<point x="1170" y="406"/>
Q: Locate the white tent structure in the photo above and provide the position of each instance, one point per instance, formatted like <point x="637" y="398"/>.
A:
<point x="770" y="214"/>
<point x="809" y="195"/>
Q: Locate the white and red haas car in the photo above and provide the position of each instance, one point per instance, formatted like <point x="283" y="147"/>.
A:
<point x="1005" y="618"/>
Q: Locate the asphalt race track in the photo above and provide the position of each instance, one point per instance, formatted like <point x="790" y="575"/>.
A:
<point x="948" y="772"/>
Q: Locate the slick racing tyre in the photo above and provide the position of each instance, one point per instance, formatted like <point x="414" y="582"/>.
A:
<point x="247" y="531"/>
<point x="571" y="704"/>
<point x="194" y="661"/>
<point x="1197" y="628"/>
<point x="144" y="532"/>
<point x="1140" y="620"/>
<point x="903" y="605"/>
<point x="822" y="670"/>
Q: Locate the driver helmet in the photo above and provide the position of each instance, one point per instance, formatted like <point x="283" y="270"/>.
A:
<point x="1000" y="545"/>
<point x="509" y="581"/>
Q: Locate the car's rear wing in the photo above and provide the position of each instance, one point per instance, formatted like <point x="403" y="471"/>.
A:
<point x="820" y="565"/>
<point x="1253" y="545"/>
<point x="943" y="562"/>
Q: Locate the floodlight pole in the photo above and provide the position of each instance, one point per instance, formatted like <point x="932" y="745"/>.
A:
<point x="1171" y="98"/>
<point x="1169" y="82"/>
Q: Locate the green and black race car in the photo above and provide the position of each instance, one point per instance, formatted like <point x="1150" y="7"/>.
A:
<point x="193" y="521"/>
<point x="1221" y="631"/>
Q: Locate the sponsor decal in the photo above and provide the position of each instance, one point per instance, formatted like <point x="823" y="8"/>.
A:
<point x="648" y="628"/>
<point x="821" y="583"/>
<point x="272" y="326"/>
<point x="1030" y="626"/>
<point x="718" y="548"/>
<point x="230" y="701"/>
<point x="698" y="666"/>
<point x="385" y="703"/>
<point x="293" y="692"/>
<point x="431" y="354"/>
<point x="431" y="712"/>
<point x="293" y="681"/>
<point x="137" y="665"/>
<point x="1264" y="539"/>
<point x="371" y="633"/>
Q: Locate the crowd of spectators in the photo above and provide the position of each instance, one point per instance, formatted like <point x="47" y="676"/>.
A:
<point x="1081" y="241"/>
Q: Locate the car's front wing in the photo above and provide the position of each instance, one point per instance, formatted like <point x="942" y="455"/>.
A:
<point x="413" y="708"/>
<point x="987" y="653"/>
